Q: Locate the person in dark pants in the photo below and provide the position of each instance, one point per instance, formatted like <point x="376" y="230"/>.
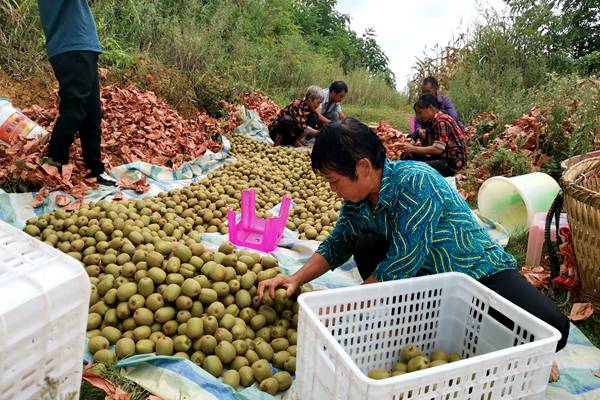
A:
<point x="442" y="145"/>
<point x="401" y="219"/>
<point x="73" y="49"/>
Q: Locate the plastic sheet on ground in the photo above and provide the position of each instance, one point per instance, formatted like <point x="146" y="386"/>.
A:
<point x="577" y="362"/>
<point x="251" y="125"/>
<point x="177" y="379"/>
<point x="15" y="208"/>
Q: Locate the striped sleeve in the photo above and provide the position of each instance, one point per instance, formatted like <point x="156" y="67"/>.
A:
<point x="418" y="210"/>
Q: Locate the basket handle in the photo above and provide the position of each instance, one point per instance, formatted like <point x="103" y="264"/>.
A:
<point x="551" y="247"/>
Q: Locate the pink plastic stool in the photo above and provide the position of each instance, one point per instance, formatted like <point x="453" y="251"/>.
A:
<point x="536" y="239"/>
<point x="257" y="233"/>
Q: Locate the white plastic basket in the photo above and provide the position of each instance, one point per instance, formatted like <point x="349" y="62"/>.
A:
<point x="44" y="298"/>
<point x="343" y="333"/>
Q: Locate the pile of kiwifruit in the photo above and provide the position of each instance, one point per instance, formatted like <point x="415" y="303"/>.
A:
<point x="412" y="360"/>
<point x="278" y="171"/>
<point x="177" y="299"/>
<point x="156" y="289"/>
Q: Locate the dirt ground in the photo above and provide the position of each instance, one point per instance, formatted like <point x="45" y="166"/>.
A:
<point x="164" y="82"/>
<point x="25" y="93"/>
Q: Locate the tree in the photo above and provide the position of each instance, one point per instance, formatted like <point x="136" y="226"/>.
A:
<point x="581" y="22"/>
<point x="374" y="59"/>
<point x="571" y="26"/>
<point x="329" y="31"/>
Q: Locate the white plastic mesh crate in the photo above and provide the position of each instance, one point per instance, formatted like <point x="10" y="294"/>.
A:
<point x="343" y="333"/>
<point x="44" y="298"/>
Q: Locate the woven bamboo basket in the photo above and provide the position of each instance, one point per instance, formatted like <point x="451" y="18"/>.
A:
<point x="581" y="191"/>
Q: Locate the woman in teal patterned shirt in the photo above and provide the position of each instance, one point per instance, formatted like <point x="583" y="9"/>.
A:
<point x="401" y="219"/>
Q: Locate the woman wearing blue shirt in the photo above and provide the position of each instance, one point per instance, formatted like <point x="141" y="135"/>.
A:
<point x="400" y="219"/>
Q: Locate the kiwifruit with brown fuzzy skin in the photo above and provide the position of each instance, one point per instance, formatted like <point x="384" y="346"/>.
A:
<point x="269" y="385"/>
<point x="125" y="347"/>
<point x="232" y="378"/>
<point x="213" y="365"/>
<point x="246" y="376"/>
<point x="284" y="379"/>
<point x="239" y="362"/>
<point x="262" y="370"/>
<point x="98" y="343"/>
<point x="105" y="356"/>
<point x="378" y="374"/>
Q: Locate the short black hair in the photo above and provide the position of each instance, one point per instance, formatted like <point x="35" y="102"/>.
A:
<point x="425" y="101"/>
<point x="432" y="81"/>
<point x="340" y="145"/>
<point x="338" y="87"/>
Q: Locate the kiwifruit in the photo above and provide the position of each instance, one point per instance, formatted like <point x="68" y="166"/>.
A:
<point x="213" y="365"/>
<point x="269" y="385"/>
<point x="98" y="343"/>
<point x="246" y="376"/>
<point x="125" y="347"/>
<point x="105" y="356"/>
<point x="262" y="370"/>
<point x="378" y="374"/>
<point x="284" y="379"/>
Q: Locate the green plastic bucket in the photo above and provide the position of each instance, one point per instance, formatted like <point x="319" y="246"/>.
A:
<point x="513" y="202"/>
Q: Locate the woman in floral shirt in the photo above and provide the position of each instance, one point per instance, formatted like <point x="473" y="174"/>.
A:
<point x="289" y="126"/>
<point x="442" y="146"/>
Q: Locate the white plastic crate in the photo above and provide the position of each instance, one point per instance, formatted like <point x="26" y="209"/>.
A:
<point x="44" y="299"/>
<point x="343" y="333"/>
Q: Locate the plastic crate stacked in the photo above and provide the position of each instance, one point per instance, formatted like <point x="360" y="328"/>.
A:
<point x="344" y="333"/>
<point x="44" y="298"/>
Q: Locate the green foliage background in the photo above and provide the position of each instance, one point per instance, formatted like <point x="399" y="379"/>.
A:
<point x="211" y="50"/>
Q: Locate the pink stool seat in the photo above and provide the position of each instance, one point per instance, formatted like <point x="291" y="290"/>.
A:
<point x="253" y="232"/>
<point x="536" y="239"/>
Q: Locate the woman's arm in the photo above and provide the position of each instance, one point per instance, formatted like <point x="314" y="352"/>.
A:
<point x="427" y="150"/>
<point x="322" y="119"/>
<point x="333" y="252"/>
<point x="316" y="266"/>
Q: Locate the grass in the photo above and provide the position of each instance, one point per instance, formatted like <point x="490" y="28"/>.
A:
<point x="201" y="40"/>
<point x="517" y="246"/>
<point x="90" y="392"/>
<point x="207" y="51"/>
<point x="113" y="374"/>
<point x="398" y="117"/>
<point x="368" y="113"/>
